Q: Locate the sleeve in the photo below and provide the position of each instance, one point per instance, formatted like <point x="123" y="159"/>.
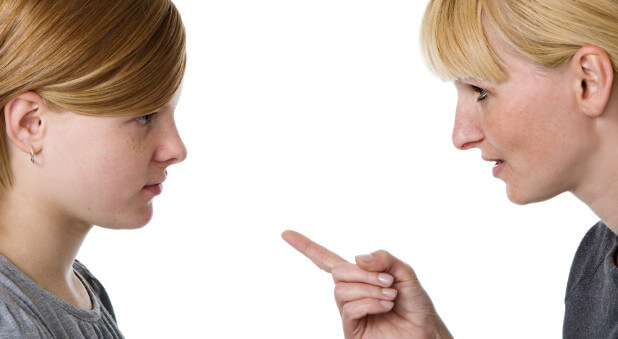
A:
<point x="15" y="322"/>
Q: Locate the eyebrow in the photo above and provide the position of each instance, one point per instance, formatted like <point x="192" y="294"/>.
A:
<point x="473" y="81"/>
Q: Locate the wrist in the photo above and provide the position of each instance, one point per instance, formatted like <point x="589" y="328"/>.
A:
<point x="437" y="329"/>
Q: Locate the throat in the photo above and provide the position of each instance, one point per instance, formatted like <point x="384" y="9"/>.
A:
<point x="80" y="297"/>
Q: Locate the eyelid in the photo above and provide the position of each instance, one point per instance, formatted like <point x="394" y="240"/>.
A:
<point x="481" y="91"/>
<point x="148" y="116"/>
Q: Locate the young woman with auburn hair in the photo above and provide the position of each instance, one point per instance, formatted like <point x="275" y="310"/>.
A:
<point x="88" y="90"/>
<point x="537" y="95"/>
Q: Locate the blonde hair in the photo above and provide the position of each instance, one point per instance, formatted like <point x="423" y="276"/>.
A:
<point x="93" y="57"/>
<point x="546" y="32"/>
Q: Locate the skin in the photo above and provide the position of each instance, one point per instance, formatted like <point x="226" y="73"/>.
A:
<point x="378" y="297"/>
<point x="555" y="130"/>
<point x="532" y="122"/>
<point x="87" y="171"/>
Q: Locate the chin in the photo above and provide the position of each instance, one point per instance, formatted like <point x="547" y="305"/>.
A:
<point x="524" y="197"/>
<point x="141" y="219"/>
<point x="131" y="220"/>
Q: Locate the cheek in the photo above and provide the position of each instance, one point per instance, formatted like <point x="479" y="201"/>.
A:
<point x="540" y="137"/>
<point x="551" y="130"/>
<point x="522" y="126"/>
<point x="101" y="173"/>
<point x="113" y="172"/>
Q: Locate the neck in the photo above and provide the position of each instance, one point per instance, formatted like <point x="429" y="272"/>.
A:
<point x="44" y="246"/>
<point x="599" y="187"/>
<point x="603" y="204"/>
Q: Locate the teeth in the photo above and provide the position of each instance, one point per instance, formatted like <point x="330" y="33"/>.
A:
<point x="498" y="162"/>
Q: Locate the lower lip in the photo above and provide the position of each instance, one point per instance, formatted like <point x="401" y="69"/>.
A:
<point x="154" y="189"/>
<point x="498" y="168"/>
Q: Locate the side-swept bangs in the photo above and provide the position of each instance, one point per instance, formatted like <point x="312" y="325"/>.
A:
<point x="454" y="43"/>
<point x="104" y="57"/>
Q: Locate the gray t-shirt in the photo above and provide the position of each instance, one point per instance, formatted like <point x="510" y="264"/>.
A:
<point x="591" y="304"/>
<point x="28" y="311"/>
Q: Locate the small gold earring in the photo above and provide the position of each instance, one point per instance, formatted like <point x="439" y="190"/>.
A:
<point x="31" y="154"/>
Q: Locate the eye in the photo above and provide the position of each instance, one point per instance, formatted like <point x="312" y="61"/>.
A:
<point x="482" y="93"/>
<point x="144" y="119"/>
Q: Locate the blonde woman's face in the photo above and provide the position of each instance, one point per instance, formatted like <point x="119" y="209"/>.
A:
<point x="529" y="126"/>
<point x="107" y="170"/>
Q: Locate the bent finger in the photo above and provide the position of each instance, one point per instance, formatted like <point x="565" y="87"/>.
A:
<point x="322" y="257"/>
<point x="354" y="311"/>
<point x="346" y="272"/>
<point x="383" y="261"/>
<point x="348" y="292"/>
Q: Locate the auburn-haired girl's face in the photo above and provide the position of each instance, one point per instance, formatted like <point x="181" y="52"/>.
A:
<point x="107" y="170"/>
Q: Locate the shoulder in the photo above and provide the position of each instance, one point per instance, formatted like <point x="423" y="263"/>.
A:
<point x="593" y="249"/>
<point x="95" y="285"/>
<point x="18" y="319"/>
<point x="597" y="242"/>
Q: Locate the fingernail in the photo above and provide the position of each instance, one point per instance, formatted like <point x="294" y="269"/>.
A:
<point x="389" y="292"/>
<point x="387" y="304"/>
<point x="386" y="279"/>
<point x="365" y="257"/>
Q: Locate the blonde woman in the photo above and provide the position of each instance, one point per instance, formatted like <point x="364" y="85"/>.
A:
<point x="88" y="90"/>
<point x="537" y="95"/>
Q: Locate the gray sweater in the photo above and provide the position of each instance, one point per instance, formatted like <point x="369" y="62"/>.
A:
<point x="591" y="304"/>
<point x="28" y="311"/>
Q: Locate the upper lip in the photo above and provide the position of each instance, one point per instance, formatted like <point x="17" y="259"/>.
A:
<point x="492" y="159"/>
<point x="159" y="180"/>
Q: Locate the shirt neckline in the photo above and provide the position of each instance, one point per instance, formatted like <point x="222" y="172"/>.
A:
<point x="87" y="315"/>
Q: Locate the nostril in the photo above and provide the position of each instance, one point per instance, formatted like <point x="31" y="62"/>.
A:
<point x="467" y="146"/>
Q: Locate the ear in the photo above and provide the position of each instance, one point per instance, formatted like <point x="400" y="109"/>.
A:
<point x="24" y="121"/>
<point x="593" y="78"/>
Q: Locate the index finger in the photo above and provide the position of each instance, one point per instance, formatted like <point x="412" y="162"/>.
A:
<point x="322" y="257"/>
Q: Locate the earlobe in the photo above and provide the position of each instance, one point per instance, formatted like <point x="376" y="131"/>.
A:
<point x="24" y="121"/>
<point x="594" y="76"/>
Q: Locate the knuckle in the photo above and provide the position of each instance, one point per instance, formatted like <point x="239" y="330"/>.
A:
<point x="339" y="269"/>
<point x="347" y="311"/>
<point x="382" y="254"/>
<point x="336" y="274"/>
<point x="408" y="267"/>
<point x="339" y="291"/>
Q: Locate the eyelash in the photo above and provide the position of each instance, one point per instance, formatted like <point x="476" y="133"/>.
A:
<point x="148" y="118"/>
<point x="482" y="93"/>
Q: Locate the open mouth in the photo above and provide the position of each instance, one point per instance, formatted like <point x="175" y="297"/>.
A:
<point x="498" y="167"/>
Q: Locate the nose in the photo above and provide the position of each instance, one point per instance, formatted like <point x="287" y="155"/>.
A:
<point x="171" y="149"/>
<point x="467" y="132"/>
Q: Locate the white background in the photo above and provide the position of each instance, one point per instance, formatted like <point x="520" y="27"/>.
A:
<point x="320" y="116"/>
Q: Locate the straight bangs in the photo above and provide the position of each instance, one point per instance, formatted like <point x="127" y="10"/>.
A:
<point x="454" y="43"/>
<point x="130" y="64"/>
